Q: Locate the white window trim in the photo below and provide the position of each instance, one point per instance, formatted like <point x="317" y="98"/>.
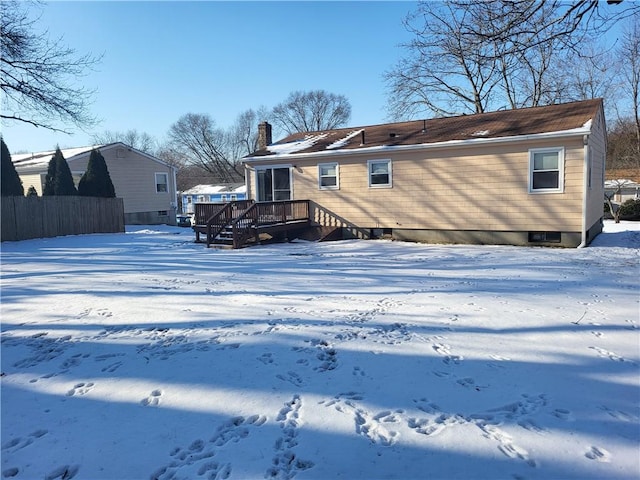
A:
<point x="382" y="185"/>
<point x="560" y="152"/>
<point x="329" y="187"/>
<point x="166" y="176"/>
<point x="267" y="167"/>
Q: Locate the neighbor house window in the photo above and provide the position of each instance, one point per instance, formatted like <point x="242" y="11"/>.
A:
<point x="234" y="197"/>
<point x="379" y="173"/>
<point x="223" y="198"/>
<point x="162" y="182"/>
<point x="328" y="176"/>
<point x="200" y="199"/>
<point x="546" y="167"/>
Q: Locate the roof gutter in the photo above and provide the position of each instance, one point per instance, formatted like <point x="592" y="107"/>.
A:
<point x="424" y="146"/>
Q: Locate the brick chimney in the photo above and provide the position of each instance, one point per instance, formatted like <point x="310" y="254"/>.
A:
<point x="264" y="135"/>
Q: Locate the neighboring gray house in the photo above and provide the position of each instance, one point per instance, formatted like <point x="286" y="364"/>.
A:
<point x="146" y="184"/>
<point x="621" y="190"/>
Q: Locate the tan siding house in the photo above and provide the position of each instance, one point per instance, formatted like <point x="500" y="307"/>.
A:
<point x="146" y="184"/>
<point x="532" y="176"/>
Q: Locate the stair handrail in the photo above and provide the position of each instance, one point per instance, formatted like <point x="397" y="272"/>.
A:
<point x="217" y="222"/>
<point x="242" y="225"/>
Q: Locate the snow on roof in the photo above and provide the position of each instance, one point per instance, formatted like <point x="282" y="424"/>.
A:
<point x="295" y="146"/>
<point x="211" y="189"/>
<point x="41" y="159"/>
<point x="343" y="141"/>
<point x="480" y="133"/>
<point x="624" y="183"/>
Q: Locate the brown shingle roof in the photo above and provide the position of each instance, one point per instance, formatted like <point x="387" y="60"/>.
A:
<point x="505" y="123"/>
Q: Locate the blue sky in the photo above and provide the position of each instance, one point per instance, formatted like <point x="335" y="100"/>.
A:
<point x="165" y="59"/>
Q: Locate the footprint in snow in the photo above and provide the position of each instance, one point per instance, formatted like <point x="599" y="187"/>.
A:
<point x="291" y="377"/>
<point x="66" y="472"/>
<point x="215" y="470"/>
<point x="10" y="472"/>
<point x="19" y="443"/>
<point x="80" y="389"/>
<point x="152" y="400"/>
<point x="266" y="358"/>
<point x="610" y="355"/>
<point x="598" y="454"/>
<point x="112" y="367"/>
<point x="562" y="414"/>
<point x="286" y="463"/>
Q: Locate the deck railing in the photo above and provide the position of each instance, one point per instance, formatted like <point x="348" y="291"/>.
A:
<point x="216" y="216"/>
<point x="267" y="214"/>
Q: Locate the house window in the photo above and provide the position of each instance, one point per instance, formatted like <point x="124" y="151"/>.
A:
<point x="223" y="198"/>
<point x="328" y="176"/>
<point x="200" y="199"/>
<point x="546" y="167"/>
<point x="188" y="198"/>
<point x="379" y="173"/>
<point x="234" y="197"/>
<point x="162" y="182"/>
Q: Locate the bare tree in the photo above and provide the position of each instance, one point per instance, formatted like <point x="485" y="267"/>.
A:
<point x="590" y="74"/>
<point x="622" y="145"/>
<point x="630" y="73"/>
<point x="139" y="140"/>
<point x="311" y="111"/>
<point x="442" y="72"/>
<point x="244" y="132"/>
<point x="469" y="56"/>
<point x="196" y="139"/>
<point x="168" y="154"/>
<point x="521" y="25"/>
<point x="38" y="76"/>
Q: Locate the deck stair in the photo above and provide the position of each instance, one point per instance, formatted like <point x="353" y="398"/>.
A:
<point x="242" y="223"/>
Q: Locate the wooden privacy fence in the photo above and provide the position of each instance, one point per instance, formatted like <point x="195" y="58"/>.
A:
<point x="39" y="217"/>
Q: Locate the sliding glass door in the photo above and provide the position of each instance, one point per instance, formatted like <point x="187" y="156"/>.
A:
<point x="273" y="184"/>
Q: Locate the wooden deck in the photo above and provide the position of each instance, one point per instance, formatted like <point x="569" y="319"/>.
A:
<point x="241" y="223"/>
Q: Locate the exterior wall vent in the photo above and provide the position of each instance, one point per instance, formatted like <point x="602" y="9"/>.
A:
<point x="545" y="237"/>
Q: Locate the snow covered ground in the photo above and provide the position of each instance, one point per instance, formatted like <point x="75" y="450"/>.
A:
<point x="145" y="356"/>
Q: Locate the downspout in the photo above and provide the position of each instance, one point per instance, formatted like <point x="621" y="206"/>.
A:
<point x="175" y="189"/>
<point x="585" y="191"/>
